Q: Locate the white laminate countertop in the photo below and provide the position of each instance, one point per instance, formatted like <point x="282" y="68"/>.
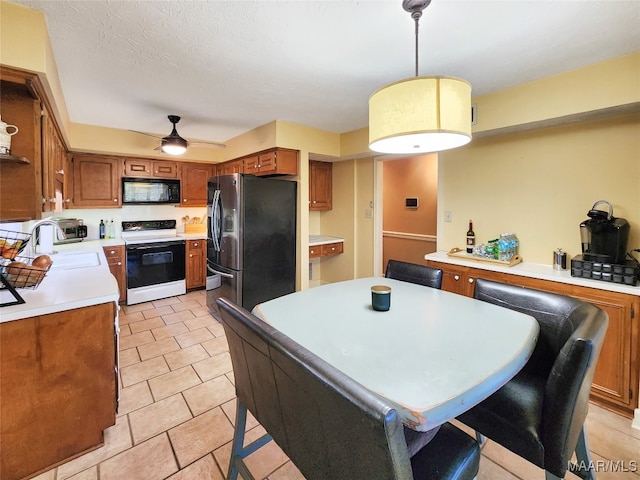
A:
<point x="67" y="289"/>
<point x="323" y="240"/>
<point x="535" y="270"/>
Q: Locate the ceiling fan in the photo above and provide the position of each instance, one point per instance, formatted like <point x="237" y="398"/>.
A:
<point x="174" y="144"/>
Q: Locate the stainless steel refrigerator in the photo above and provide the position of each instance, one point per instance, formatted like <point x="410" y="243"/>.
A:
<point x="251" y="241"/>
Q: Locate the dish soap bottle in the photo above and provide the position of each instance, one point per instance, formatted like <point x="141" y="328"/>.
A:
<point x="471" y="238"/>
<point x="101" y="229"/>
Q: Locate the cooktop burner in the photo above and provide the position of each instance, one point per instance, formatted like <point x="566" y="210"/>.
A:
<point x="149" y="231"/>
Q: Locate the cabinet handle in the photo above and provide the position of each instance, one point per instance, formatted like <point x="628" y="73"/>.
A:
<point x="184" y="200"/>
<point x="60" y="172"/>
<point x="313" y="251"/>
<point x="333" y="248"/>
<point x="471" y="280"/>
<point x="195" y="244"/>
<point x="115" y="199"/>
<point x="313" y="201"/>
<point x="191" y="255"/>
<point x="68" y="200"/>
<point x="52" y="200"/>
<point x="119" y="264"/>
<point x="456" y="277"/>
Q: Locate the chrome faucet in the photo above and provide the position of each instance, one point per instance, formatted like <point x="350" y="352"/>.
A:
<point x="34" y="230"/>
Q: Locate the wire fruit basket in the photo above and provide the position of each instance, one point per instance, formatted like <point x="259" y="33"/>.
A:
<point x="16" y="270"/>
<point x="12" y="243"/>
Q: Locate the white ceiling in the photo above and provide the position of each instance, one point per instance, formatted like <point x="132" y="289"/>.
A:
<point x="229" y="66"/>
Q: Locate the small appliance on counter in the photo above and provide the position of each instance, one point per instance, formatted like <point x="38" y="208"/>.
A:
<point x="604" y="248"/>
<point x="73" y="228"/>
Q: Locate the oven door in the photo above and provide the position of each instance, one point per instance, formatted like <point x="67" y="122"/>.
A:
<point x="155" y="263"/>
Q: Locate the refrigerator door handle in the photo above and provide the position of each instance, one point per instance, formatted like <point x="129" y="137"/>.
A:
<point x="215" y="220"/>
<point x="222" y="274"/>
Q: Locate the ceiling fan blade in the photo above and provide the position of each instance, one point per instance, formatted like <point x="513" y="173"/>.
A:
<point x="208" y="144"/>
<point x="144" y="133"/>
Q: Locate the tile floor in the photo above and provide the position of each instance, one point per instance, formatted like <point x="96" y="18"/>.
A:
<point x="177" y="410"/>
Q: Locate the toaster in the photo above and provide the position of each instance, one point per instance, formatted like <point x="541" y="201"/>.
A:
<point x="73" y="228"/>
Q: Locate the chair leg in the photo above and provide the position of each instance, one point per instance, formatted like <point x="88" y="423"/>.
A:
<point x="481" y="438"/>
<point x="551" y="476"/>
<point x="584" y="468"/>
<point x="238" y="451"/>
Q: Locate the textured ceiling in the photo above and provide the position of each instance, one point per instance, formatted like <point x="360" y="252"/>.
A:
<point x="229" y="66"/>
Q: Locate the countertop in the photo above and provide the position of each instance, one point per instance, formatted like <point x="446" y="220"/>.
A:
<point x="536" y="270"/>
<point x="66" y="289"/>
<point x="323" y="240"/>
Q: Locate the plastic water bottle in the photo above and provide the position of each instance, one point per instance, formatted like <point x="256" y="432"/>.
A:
<point x="504" y="248"/>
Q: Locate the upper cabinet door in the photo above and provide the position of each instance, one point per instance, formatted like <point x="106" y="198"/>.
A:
<point x="320" y="185"/>
<point x="143" y="167"/>
<point x="194" y="178"/>
<point x="96" y="181"/>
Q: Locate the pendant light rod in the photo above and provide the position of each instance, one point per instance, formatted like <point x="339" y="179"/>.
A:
<point x="415" y="8"/>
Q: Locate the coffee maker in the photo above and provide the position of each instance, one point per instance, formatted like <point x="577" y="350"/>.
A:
<point x="604" y="237"/>
<point x="604" y="248"/>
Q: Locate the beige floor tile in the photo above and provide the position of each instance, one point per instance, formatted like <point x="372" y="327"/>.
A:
<point x="217" y="330"/>
<point x="201" y="311"/>
<point x="166" y="301"/>
<point x="151" y="460"/>
<point x="127" y="309"/>
<point x="135" y="340"/>
<point x="158" y="417"/>
<point x="492" y="471"/>
<point x="612" y="444"/>
<point x="194" y="295"/>
<point x="194" y="337"/>
<point x="159" y="347"/>
<point x="88" y="474"/>
<point x="200" y="435"/>
<point x="158" y="312"/>
<point x="199" y="322"/>
<point x="511" y="462"/>
<point x="210" y="394"/>
<point x="202" y="301"/>
<point x="146" y="324"/>
<point x="143" y="371"/>
<point x="177" y="317"/>
<point x="179" y="307"/>
<point x="129" y="357"/>
<point x="126" y="318"/>
<point x="50" y="475"/>
<point x="289" y="471"/>
<point x="173" y="382"/>
<point x="125" y="330"/>
<point x="203" y="469"/>
<point x="134" y="397"/>
<point x="116" y="439"/>
<point x="186" y="356"/>
<point x="169" y="330"/>
<point x="213" y="367"/>
<point x="216" y="346"/>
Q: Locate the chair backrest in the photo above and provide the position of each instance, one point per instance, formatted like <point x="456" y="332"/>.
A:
<point x="413" y="273"/>
<point x="571" y="336"/>
<point x="329" y="425"/>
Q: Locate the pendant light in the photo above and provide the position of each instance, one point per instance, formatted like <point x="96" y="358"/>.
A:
<point x="174" y="144"/>
<point x="420" y="114"/>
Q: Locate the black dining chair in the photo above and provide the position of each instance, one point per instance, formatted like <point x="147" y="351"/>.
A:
<point x="329" y="426"/>
<point x="413" y="273"/>
<point x="540" y="413"/>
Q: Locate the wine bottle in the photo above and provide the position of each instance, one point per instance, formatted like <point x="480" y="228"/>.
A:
<point x="101" y="229"/>
<point x="471" y="238"/>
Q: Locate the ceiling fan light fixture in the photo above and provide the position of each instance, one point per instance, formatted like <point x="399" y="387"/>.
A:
<point x="174" y="146"/>
<point x="420" y="114"/>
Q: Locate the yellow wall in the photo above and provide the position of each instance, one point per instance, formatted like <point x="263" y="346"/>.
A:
<point x="540" y="185"/>
<point x="364" y="224"/>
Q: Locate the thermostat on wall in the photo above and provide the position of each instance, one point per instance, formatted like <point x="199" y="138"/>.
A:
<point x="411" y="202"/>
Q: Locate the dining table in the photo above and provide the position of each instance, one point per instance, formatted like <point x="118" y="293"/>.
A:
<point x="433" y="355"/>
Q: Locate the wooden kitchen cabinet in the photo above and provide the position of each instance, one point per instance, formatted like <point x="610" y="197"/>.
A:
<point x="96" y="181"/>
<point x="196" y="264"/>
<point x="193" y="179"/>
<point x="116" y="260"/>
<point x="58" y="389"/>
<point x="232" y="166"/>
<point x="21" y="172"/>
<point x="276" y="161"/>
<point x="324" y="250"/>
<point x="320" y="185"/>
<point x="55" y="190"/>
<point x="144" y="167"/>
<point x="615" y="383"/>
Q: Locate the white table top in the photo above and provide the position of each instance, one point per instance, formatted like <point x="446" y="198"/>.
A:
<point x="434" y="354"/>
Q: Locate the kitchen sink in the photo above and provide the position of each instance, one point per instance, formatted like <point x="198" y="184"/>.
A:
<point x="67" y="261"/>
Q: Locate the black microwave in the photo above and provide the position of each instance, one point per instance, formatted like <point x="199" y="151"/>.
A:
<point x="144" y="191"/>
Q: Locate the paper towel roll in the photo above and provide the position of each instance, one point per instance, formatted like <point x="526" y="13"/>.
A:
<point x="46" y="239"/>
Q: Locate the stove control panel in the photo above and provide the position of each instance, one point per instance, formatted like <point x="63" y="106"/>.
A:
<point x="143" y="225"/>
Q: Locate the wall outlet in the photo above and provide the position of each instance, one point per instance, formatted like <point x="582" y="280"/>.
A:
<point x="368" y="213"/>
<point x="448" y="216"/>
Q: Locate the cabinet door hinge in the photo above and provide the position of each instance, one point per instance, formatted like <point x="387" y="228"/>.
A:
<point x="630" y="394"/>
<point x="633" y="312"/>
